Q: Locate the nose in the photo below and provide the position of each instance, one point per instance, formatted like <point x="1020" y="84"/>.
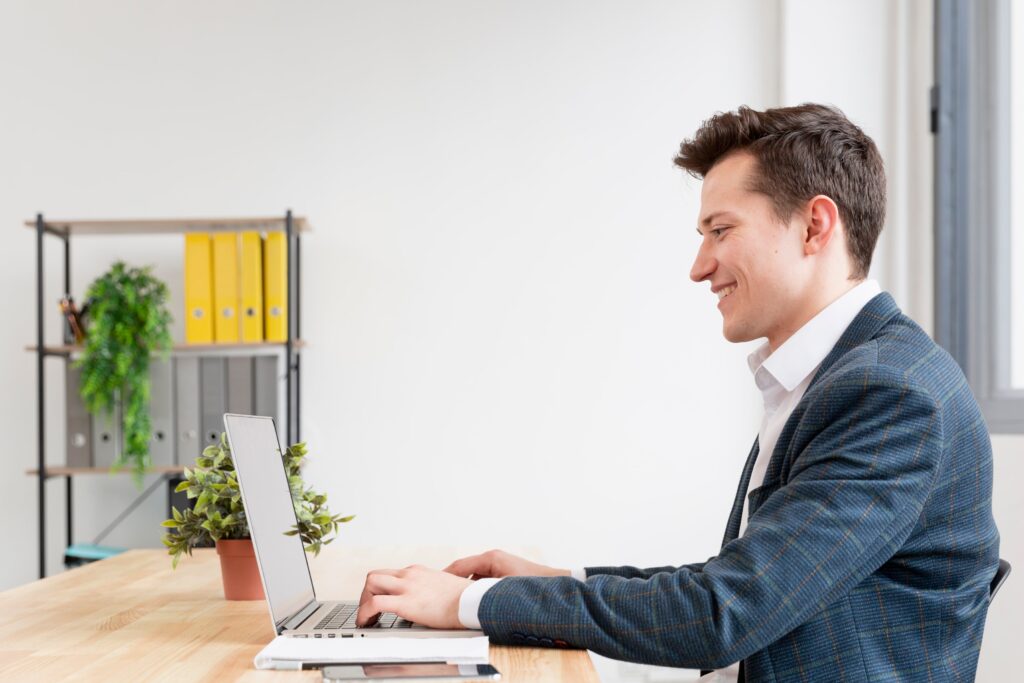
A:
<point x="704" y="264"/>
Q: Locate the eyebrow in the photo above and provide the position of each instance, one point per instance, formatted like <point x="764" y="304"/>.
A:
<point x="709" y="219"/>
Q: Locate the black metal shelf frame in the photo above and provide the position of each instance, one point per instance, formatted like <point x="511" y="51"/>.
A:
<point x="292" y="375"/>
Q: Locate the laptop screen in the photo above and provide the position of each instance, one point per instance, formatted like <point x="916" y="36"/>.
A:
<point x="268" y="505"/>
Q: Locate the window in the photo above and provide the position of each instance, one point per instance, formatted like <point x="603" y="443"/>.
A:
<point x="978" y="120"/>
<point x="1017" y="198"/>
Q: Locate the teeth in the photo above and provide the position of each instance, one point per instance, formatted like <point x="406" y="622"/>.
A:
<point x="722" y="293"/>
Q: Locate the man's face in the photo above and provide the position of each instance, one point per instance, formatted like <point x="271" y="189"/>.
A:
<point x="753" y="261"/>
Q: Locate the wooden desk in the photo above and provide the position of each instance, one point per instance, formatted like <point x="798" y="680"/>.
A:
<point x="130" y="618"/>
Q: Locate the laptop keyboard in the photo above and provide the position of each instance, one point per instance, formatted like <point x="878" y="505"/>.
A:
<point x="344" y="616"/>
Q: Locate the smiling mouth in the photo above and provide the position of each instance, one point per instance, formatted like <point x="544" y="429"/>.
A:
<point x="725" y="291"/>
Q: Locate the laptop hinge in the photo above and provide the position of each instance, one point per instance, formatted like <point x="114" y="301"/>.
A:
<point x="294" y="621"/>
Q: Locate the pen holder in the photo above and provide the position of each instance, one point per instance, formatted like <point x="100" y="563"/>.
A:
<point x="238" y="570"/>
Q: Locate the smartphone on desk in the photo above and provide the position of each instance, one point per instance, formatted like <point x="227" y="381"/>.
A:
<point x="338" y="673"/>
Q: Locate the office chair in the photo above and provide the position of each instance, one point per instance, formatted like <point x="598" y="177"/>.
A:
<point x="1001" y="573"/>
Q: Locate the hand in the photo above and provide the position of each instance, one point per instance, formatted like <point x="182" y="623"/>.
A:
<point x="421" y="595"/>
<point x="498" y="563"/>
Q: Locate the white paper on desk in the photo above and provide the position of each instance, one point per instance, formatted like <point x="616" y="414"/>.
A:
<point x="284" y="652"/>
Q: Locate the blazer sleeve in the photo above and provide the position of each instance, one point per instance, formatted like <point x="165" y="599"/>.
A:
<point x="872" y="446"/>
<point x="628" y="572"/>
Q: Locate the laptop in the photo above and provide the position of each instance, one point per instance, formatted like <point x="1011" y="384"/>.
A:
<point x="287" y="583"/>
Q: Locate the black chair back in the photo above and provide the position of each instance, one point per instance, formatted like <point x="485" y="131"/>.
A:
<point x="1001" y="573"/>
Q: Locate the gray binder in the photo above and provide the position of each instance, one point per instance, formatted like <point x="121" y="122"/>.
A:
<point x="161" y="412"/>
<point x="188" y="429"/>
<point x="213" y="398"/>
<point x="106" y="437"/>
<point x="239" y="372"/>
<point x="79" y="426"/>
<point x="177" y="499"/>
<point x="266" y="384"/>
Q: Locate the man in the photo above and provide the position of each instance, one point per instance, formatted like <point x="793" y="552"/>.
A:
<point x="861" y="542"/>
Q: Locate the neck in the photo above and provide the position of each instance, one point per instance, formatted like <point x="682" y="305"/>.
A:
<point x="811" y="305"/>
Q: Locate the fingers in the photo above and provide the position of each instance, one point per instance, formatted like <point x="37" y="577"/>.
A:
<point x="370" y="610"/>
<point x="474" y="565"/>
<point x="374" y="576"/>
<point x="460" y="567"/>
<point x="379" y="582"/>
<point x="388" y="572"/>
<point x="425" y="596"/>
<point x="383" y="584"/>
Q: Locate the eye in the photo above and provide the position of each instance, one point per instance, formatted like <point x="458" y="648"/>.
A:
<point x="719" y="231"/>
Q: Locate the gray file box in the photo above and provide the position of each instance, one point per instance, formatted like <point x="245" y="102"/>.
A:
<point x="188" y="426"/>
<point x="240" y="398"/>
<point x="106" y="437"/>
<point x="266" y="385"/>
<point x="79" y="426"/>
<point x="161" y="412"/>
<point x="213" y="398"/>
<point x="177" y="499"/>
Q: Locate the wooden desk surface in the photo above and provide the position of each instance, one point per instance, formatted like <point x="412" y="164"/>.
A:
<point x="130" y="618"/>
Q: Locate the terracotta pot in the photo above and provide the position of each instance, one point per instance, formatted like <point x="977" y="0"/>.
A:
<point x="238" y="570"/>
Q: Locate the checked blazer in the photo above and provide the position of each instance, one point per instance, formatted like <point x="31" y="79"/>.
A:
<point x="868" y="551"/>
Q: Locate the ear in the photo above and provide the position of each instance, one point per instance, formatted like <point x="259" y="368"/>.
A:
<point x="822" y="224"/>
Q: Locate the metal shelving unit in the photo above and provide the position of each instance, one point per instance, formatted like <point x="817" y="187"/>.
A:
<point x="64" y="230"/>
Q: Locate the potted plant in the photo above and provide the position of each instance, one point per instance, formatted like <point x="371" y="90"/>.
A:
<point x="128" y="321"/>
<point x="218" y="518"/>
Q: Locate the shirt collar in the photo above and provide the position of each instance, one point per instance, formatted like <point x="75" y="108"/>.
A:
<point x="806" y="349"/>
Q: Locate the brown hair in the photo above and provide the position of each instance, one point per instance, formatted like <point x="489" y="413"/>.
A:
<point x="801" y="152"/>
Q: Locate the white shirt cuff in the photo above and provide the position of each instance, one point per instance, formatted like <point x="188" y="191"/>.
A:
<point x="469" y="602"/>
<point x="578" y="573"/>
<point x="729" y="674"/>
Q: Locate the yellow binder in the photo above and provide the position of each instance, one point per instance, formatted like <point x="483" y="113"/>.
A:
<point x="251" y="273"/>
<point x="275" y="286"/>
<point x="198" y="289"/>
<point x="225" y="287"/>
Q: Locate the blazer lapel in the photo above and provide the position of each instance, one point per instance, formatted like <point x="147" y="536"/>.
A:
<point x="872" y="318"/>
<point x="732" y="529"/>
<point x="875" y="314"/>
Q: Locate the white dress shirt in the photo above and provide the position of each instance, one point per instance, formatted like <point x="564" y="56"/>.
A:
<point x="782" y="377"/>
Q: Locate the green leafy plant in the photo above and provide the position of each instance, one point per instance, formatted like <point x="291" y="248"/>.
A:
<point x="218" y="512"/>
<point x="128" y="321"/>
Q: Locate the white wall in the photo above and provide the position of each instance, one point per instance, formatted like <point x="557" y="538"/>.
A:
<point x="503" y="336"/>
<point x="505" y="348"/>
<point x="1000" y="652"/>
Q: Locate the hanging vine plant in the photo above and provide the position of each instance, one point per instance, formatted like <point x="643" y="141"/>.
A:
<point x="128" y="321"/>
